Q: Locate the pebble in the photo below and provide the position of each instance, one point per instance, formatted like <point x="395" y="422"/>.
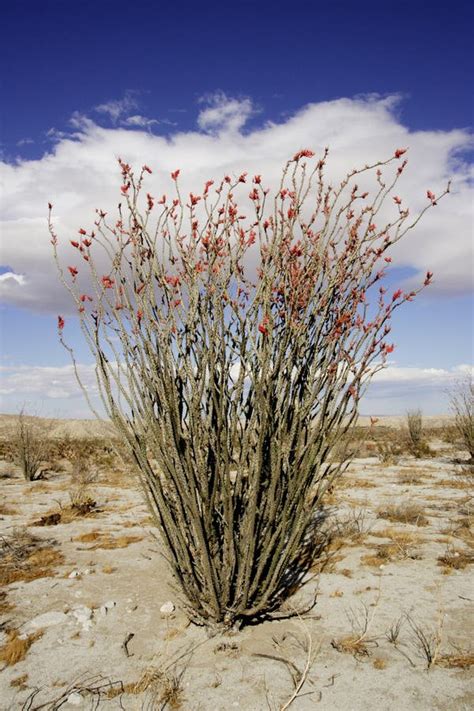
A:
<point x="74" y="574"/>
<point x="109" y="605"/>
<point x="83" y="615"/>
<point x="167" y="608"/>
<point x="74" y="699"/>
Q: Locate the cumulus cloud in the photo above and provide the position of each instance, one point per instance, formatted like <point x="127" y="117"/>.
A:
<point x="80" y="174"/>
<point x="224" y="115"/>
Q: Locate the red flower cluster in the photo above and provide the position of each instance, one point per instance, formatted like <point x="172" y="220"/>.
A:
<point x="107" y="282"/>
<point x="305" y="153"/>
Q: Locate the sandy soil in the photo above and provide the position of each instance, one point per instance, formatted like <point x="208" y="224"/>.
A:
<point x="98" y="639"/>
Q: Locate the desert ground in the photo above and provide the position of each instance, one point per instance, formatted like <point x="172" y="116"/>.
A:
<point x="90" y="617"/>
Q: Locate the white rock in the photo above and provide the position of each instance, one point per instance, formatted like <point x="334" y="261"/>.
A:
<point x="74" y="699"/>
<point x="109" y="605"/>
<point x="167" y="608"/>
<point x="47" y="619"/>
<point x="74" y="574"/>
<point x="83" y="615"/>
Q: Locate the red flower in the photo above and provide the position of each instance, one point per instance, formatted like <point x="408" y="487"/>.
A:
<point x="82" y="232"/>
<point x="86" y="242"/>
<point x="73" y="272"/>
<point x="85" y="297"/>
<point x="263" y="326"/>
<point x="207" y="186"/>
<point x="429" y="276"/>
<point x="194" y="199"/>
<point x="397" y="200"/>
<point x="173" y="280"/>
<point x="150" y="201"/>
<point x="75" y="244"/>
<point x="61" y="323"/>
<point x="175" y="174"/>
<point x="431" y="196"/>
<point x="242" y="178"/>
<point x="107" y="282"/>
<point x="397" y="294"/>
<point x="147" y="169"/>
<point x="400" y="151"/>
<point x="305" y="153"/>
<point x="257" y="179"/>
<point x="389" y="349"/>
<point x="139" y="315"/>
<point x="124" y="188"/>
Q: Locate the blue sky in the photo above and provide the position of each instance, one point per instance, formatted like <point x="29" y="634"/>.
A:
<point x="192" y="83"/>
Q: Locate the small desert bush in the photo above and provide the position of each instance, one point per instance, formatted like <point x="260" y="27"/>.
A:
<point x="25" y="557"/>
<point x="29" y="445"/>
<point x="404" y="513"/>
<point x="462" y="406"/>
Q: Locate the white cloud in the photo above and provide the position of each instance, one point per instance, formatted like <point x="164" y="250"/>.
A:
<point x="224" y="115"/>
<point x="46" y="382"/>
<point x="138" y="121"/>
<point x="11" y="277"/>
<point x="53" y="390"/>
<point x="116" y="108"/>
<point x="80" y="174"/>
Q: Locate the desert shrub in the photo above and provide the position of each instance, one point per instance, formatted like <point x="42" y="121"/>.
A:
<point x="415" y="434"/>
<point x="81" y="494"/>
<point x="231" y="354"/>
<point x="462" y="406"/>
<point x="29" y="445"/>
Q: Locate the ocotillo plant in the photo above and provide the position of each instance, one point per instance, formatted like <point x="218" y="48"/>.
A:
<point x="231" y="353"/>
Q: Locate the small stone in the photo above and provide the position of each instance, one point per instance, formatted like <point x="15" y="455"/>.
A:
<point x="167" y="608"/>
<point x="74" y="699"/>
<point x="74" y="574"/>
<point x="83" y="615"/>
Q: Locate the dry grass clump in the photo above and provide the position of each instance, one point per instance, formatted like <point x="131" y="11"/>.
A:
<point x="20" y="681"/>
<point x="410" y="476"/>
<point x="108" y="569"/>
<point x="25" y="557"/>
<point x="6" y="510"/>
<point x="379" y="663"/>
<point x="455" y="559"/>
<point x="163" y="689"/>
<point x="106" y="540"/>
<point x="15" y="649"/>
<point x="5" y="606"/>
<point x="388" y="453"/>
<point x="464" y="483"/>
<point x="461" y="660"/>
<point x="404" y="513"/>
<point x="388" y="552"/>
